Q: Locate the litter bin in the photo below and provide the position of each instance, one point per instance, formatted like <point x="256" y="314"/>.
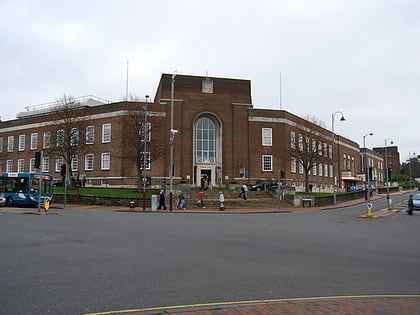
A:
<point x="132" y="204"/>
<point x="154" y="202"/>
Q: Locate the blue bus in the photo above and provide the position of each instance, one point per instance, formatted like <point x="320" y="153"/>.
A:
<point x="21" y="189"/>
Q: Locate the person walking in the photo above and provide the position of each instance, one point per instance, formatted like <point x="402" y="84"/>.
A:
<point x="181" y="201"/>
<point x="245" y="191"/>
<point x="221" y="201"/>
<point x="200" y="201"/>
<point x="162" y="200"/>
<point x="410" y="205"/>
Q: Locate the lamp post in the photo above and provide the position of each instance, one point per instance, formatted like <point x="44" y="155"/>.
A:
<point x="333" y="140"/>
<point x="364" y="157"/>
<point x="389" y="202"/>
<point x="145" y="139"/>
<point x="409" y="165"/>
<point x="367" y="175"/>
<point x="171" y="143"/>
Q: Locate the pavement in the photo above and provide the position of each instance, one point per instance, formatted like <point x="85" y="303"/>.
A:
<point x="362" y="304"/>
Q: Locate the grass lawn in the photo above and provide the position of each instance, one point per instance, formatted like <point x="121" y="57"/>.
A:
<point x="112" y="192"/>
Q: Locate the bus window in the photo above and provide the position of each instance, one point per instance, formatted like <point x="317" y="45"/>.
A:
<point x="10" y="185"/>
<point x="22" y="185"/>
<point x="2" y="185"/>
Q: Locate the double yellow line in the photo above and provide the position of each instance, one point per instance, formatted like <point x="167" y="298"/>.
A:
<point x="243" y="303"/>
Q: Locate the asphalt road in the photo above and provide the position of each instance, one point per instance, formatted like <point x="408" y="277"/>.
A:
<point x="91" y="261"/>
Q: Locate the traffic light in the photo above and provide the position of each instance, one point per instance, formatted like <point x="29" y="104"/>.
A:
<point x="63" y="170"/>
<point x="38" y="159"/>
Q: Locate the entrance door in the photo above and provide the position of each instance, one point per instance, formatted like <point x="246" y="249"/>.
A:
<point x="206" y="175"/>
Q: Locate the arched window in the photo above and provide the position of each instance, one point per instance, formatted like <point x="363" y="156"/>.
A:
<point x="205" y="141"/>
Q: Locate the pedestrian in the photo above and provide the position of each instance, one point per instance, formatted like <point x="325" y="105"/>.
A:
<point x="221" y="201"/>
<point x="181" y="201"/>
<point x="206" y="183"/>
<point x="200" y="201"/>
<point x="245" y="189"/>
<point x="162" y="200"/>
<point x="410" y="205"/>
<point x="84" y="180"/>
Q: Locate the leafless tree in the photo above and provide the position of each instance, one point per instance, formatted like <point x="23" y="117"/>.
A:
<point x="68" y="135"/>
<point x="310" y="150"/>
<point x="137" y="129"/>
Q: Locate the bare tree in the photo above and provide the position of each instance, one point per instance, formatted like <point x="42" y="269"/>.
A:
<point x="138" y="145"/>
<point x="68" y="136"/>
<point x="309" y="151"/>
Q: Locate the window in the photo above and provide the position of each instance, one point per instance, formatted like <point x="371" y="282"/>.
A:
<point x="293" y="165"/>
<point x="90" y="134"/>
<point x="1" y="144"/>
<point x="300" y="142"/>
<point x="330" y="151"/>
<point x="331" y="171"/>
<point x="300" y="168"/>
<point x="205" y="141"/>
<point x="74" y="163"/>
<point x="21" y="165"/>
<point x="326" y="170"/>
<point x="320" y="148"/>
<point x="9" y="166"/>
<point x="106" y="133"/>
<point x="58" y="162"/>
<point x="47" y="139"/>
<point x="74" y="136"/>
<point x="106" y="161"/>
<point x="314" y="169"/>
<point x="292" y="140"/>
<point x="10" y="143"/>
<point x="267" y="137"/>
<point x="313" y="146"/>
<point x="32" y="165"/>
<point x="325" y="149"/>
<point x="267" y="163"/>
<point x="60" y="138"/>
<point x="320" y="169"/>
<point x="22" y="142"/>
<point x="147" y="160"/>
<point x="46" y="164"/>
<point x="34" y="141"/>
<point x="89" y="162"/>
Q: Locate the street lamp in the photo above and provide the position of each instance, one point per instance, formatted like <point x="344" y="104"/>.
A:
<point x="333" y="140"/>
<point x="389" y="202"/>
<point x="364" y="156"/>
<point x="409" y="165"/>
<point x="367" y="175"/>
<point x="145" y="138"/>
<point x="171" y="142"/>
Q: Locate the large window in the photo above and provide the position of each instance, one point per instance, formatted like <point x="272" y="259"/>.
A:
<point x="47" y="139"/>
<point x="89" y="162"/>
<point x="21" y="165"/>
<point x="46" y="164"/>
<point x="106" y="161"/>
<point x="34" y="141"/>
<point x="267" y="137"/>
<point x="106" y="133"/>
<point x="267" y="163"/>
<point x="205" y="141"/>
<point x="90" y="134"/>
<point x="74" y="163"/>
<point x="10" y="143"/>
<point x="22" y="142"/>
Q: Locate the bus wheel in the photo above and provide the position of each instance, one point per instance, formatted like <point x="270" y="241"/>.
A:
<point x="9" y="202"/>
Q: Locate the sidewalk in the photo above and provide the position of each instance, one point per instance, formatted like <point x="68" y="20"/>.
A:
<point x="56" y="207"/>
<point x="363" y="304"/>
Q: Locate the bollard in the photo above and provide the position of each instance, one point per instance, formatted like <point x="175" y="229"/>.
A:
<point x="132" y="204"/>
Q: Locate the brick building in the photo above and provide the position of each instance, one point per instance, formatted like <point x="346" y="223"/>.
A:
<point x="216" y="133"/>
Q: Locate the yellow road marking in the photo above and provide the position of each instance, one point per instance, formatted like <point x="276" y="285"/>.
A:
<point x="256" y="301"/>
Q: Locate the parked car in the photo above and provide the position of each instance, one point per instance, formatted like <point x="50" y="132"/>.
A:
<point x="416" y="202"/>
<point x="262" y="185"/>
<point x="2" y="200"/>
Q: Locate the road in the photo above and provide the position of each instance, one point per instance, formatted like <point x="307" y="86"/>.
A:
<point x="93" y="261"/>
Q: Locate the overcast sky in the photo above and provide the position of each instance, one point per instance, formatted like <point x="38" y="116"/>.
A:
<point x="360" y="57"/>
